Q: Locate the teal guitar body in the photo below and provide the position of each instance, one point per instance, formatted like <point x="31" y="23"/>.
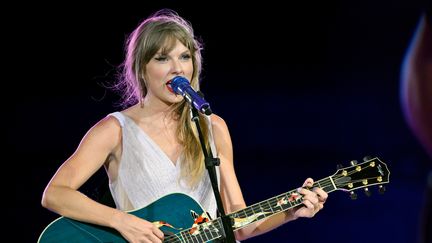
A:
<point x="172" y="213"/>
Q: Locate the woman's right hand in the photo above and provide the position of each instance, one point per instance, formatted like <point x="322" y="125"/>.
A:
<point x="135" y="229"/>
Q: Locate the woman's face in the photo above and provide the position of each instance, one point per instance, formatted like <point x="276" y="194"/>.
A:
<point x="162" y="68"/>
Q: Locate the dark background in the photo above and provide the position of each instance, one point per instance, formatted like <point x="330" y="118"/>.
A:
<point x="302" y="87"/>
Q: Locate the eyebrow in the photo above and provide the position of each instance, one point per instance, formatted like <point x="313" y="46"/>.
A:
<point x="187" y="51"/>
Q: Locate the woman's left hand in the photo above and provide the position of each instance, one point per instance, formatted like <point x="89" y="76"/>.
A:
<point x="313" y="200"/>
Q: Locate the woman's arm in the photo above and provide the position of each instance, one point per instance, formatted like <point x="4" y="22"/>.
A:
<point x="62" y="196"/>
<point x="232" y="196"/>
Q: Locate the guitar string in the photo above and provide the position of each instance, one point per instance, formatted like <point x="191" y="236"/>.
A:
<point x="320" y="184"/>
<point x="185" y="234"/>
<point x="251" y="209"/>
<point x="324" y="183"/>
<point x="263" y="205"/>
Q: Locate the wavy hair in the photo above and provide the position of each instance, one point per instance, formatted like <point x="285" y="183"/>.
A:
<point x="159" y="32"/>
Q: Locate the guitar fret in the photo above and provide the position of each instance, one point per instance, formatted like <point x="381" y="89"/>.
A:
<point x="176" y="239"/>
<point x="195" y="238"/>
<point x="329" y="184"/>
<point x="273" y="204"/>
<point x="328" y="188"/>
<point x="261" y="208"/>
<point x="179" y="237"/>
<point x="294" y="202"/>
<point x="243" y="214"/>
<point x="187" y="236"/>
<point x="211" y="231"/>
<point x="290" y="204"/>
<point x="217" y="229"/>
<point x="200" y="234"/>
<point x="253" y="210"/>
<point x="208" y="232"/>
<point x="279" y="205"/>
<point x="220" y="227"/>
<point x="268" y="203"/>
<point x="264" y="209"/>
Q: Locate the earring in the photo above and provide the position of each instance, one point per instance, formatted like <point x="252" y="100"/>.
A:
<point x="141" y="102"/>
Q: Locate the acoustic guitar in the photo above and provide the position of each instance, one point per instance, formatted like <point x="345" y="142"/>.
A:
<point x="182" y="219"/>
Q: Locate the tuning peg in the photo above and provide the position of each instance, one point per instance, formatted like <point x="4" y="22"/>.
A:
<point x="353" y="162"/>
<point x="366" y="158"/>
<point x="367" y="192"/>
<point x="381" y="189"/>
<point x="339" y="166"/>
<point x="353" y="195"/>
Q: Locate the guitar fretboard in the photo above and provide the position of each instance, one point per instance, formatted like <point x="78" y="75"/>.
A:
<point x="275" y="205"/>
<point x="213" y="229"/>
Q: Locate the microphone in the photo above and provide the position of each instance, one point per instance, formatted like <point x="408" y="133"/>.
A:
<point x="181" y="86"/>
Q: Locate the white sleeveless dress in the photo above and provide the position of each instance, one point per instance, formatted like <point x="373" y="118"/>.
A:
<point x="146" y="173"/>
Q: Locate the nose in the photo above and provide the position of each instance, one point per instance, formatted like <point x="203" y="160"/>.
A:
<point x="177" y="67"/>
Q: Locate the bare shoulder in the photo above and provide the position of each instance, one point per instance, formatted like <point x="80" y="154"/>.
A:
<point x="107" y="129"/>
<point x="218" y="124"/>
<point x="220" y="131"/>
<point x="108" y="124"/>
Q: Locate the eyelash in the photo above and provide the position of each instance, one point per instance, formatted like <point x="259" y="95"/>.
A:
<point x="160" y="58"/>
<point x="186" y="56"/>
<point x="164" y="58"/>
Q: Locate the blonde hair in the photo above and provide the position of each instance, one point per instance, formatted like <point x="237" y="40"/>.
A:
<point x="159" y="32"/>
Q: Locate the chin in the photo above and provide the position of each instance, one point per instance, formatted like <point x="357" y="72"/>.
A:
<point x="175" y="100"/>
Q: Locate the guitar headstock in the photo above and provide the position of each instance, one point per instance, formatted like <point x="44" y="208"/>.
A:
<point x="371" y="172"/>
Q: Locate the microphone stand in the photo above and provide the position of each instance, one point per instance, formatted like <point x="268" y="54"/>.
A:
<point x="210" y="164"/>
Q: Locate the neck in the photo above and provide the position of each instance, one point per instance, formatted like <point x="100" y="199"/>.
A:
<point x="154" y="112"/>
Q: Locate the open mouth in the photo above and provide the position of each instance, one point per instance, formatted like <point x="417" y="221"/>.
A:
<point x="168" y="84"/>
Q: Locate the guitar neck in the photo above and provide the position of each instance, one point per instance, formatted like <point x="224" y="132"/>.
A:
<point x="369" y="173"/>
<point x="213" y="229"/>
<point x="275" y="205"/>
